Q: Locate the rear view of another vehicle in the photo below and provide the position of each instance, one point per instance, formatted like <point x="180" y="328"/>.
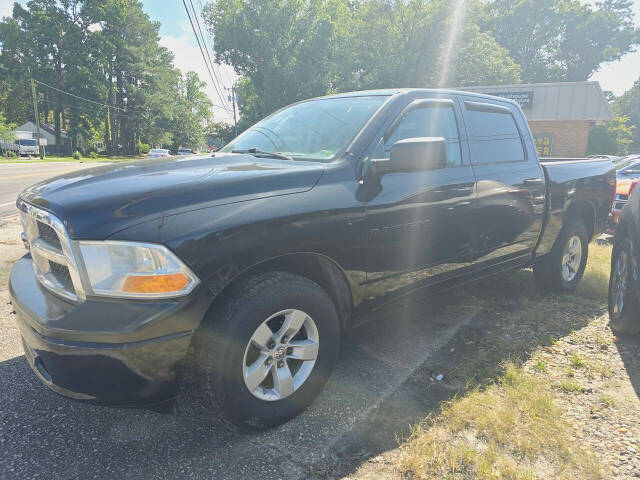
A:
<point x="628" y="175"/>
<point x="624" y="281"/>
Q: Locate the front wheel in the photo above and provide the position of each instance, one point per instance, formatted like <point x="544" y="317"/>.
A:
<point x="267" y="349"/>
<point x="624" y="316"/>
<point x="561" y="269"/>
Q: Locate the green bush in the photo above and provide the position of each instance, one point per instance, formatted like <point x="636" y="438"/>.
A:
<point x="142" y="148"/>
<point x="77" y="155"/>
<point x="93" y="155"/>
<point x="11" y="154"/>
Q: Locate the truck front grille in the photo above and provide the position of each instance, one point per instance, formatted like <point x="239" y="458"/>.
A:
<point x="52" y="251"/>
<point x="49" y="235"/>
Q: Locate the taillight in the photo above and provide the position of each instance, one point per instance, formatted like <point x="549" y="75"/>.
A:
<point x="632" y="186"/>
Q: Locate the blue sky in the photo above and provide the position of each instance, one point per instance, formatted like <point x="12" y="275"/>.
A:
<point x="177" y="36"/>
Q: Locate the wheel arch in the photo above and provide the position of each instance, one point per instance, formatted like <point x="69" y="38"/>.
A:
<point x="585" y="212"/>
<point x="324" y="271"/>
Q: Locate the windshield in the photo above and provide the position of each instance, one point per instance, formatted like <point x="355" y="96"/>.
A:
<point x="27" y="143"/>
<point x="314" y="130"/>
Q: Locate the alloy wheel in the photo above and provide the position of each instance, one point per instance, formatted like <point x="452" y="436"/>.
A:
<point x="280" y="355"/>
<point x="571" y="258"/>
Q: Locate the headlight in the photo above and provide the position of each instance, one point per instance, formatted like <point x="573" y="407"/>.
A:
<point x="135" y="270"/>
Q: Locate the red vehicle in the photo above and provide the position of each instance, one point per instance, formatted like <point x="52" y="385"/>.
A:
<point x="624" y="188"/>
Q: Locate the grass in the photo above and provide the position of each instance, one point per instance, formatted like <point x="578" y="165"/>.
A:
<point x="576" y="361"/>
<point x="54" y="159"/>
<point x="512" y="430"/>
<point x="571" y="387"/>
<point x="506" y="425"/>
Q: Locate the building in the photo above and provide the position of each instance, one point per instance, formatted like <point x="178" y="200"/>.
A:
<point x="48" y="133"/>
<point x="560" y="114"/>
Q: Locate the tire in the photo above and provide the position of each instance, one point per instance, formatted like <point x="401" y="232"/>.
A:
<point x="232" y="339"/>
<point x="624" y="316"/>
<point x="555" y="271"/>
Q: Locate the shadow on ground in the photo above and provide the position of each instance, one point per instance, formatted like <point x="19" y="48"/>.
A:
<point x="384" y="381"/>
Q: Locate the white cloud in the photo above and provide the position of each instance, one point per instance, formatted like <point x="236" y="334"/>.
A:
<point x="188" y="57"/>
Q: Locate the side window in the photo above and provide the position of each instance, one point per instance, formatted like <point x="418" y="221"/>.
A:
<point x="428" y="122"/>
<point x="494" y="136"/>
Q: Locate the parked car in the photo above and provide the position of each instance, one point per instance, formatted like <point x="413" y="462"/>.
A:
<point x="185" y="151"/>
<point x="258" y="259"/>
<point x="624" y="284"/>
<point x="627" y="173"/>
<point x="158" y="152"/>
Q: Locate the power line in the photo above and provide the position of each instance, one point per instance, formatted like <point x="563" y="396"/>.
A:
<point x="202" y="51"/>
<point x="220" y="87"/>
<point x="103" y="104"/>
<point x="78" y="97"/>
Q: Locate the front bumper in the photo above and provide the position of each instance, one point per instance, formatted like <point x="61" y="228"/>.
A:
<point x="122" y="353"/>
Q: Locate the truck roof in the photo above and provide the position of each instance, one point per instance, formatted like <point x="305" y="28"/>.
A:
<point x="396" y="91"/>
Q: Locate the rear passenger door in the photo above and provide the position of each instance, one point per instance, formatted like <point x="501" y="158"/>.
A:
<point x="510" y="181"/>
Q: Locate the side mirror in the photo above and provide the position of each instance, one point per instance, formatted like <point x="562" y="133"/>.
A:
<point x="419" y="154"/>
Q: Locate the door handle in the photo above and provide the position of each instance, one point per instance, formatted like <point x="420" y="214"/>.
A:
<point x="533" y="182"/>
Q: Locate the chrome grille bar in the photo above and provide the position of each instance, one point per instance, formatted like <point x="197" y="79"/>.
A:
<point x="44" y="252"/>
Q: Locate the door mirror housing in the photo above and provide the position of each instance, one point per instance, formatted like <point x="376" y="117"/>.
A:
<point x="419" y="154"/>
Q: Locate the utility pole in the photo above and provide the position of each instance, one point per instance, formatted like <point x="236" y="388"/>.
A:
<point x="35" y="114"/>
<point x="233" y="100"/>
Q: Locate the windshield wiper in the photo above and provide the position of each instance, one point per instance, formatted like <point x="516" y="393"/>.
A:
<point x="261" y="153"/>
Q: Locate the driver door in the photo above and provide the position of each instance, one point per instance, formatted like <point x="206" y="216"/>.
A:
<point x="420" y="224"/>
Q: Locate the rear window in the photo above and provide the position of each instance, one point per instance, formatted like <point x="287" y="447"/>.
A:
<point x="494" y="136"/>
<point x="27" y="143"/>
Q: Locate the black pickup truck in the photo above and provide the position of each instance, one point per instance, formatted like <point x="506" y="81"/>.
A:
<point x="253" y="260"/>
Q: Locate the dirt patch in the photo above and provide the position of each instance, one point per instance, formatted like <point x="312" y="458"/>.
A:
<point x="10" y="250"/>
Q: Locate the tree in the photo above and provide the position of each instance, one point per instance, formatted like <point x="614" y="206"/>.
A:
<point x="192" y="107"/>
<point x="561" y="40"/>
<point x="611" y="138"/>
<point x="290" y="50"/>
<point x="628" y="105"/>
<point x="108" y="53"/>
<point x="7" y="131"/>
<point x="281" y="46"/>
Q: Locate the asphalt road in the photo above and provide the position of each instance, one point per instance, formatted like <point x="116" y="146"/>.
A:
<point x="369" y="399"/>
<point x="15" y="177"/>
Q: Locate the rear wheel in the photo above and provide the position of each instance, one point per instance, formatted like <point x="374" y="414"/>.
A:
<point x="623" y="302"/>
<point x="268" y="348"/>
<point x="561" y="269"/>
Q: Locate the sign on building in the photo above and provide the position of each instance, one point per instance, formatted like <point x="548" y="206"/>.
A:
<point x="524" y="99"/>
<point x="544" y="144"/>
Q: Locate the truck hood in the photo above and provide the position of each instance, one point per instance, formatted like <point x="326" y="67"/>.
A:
<point x="97" y="202"/>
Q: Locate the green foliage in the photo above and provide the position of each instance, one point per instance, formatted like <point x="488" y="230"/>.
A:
<point x="192" y="106"/>
<point x="120" y="64"/>
<point x="628" y="105"/>
<point x="77" y="155"/>
<point x="219" y="134"/>
<point x="288" y="50"/>
<point x="142" y="148"/>
<point x="561" y="40"/>
<point x="611" y="138"/>
<point x="93" y="155"/>
<point x="10" y="154"/>
<point x="7" y="130"/>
